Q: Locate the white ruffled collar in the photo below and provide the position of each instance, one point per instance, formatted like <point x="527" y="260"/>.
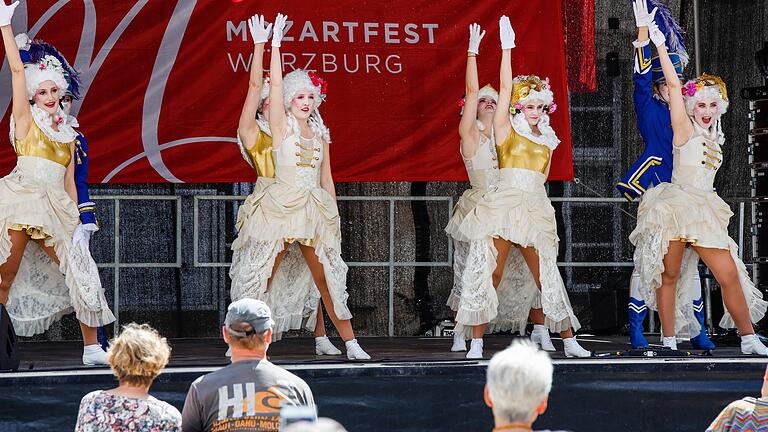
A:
<point x="547" y="138"/>
<point x="42" y="119"/>
<point x="715" y="132"/>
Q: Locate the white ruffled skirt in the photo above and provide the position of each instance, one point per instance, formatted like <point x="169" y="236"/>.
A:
<point x="32" y="196"/>
<point x="517" y="210"/>
<point x="276" y="213"/>
<point x="680" y="212"/>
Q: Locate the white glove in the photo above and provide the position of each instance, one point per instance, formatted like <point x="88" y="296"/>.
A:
<point x="643" y="18"/>
<point x="474" y="38"/>
<point x="657" y="37"/>
<point x="6" y="13"/>
<point x="278" y="29"/>
<point x="82" y="236"/>
<point x="506" y="33"/>
<point x="259" y="31"/>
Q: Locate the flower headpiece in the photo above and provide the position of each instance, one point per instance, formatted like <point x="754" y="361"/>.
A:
<point x="531" y="87"/>
<point x="319" y="82"/>
<point x="706" y="86"/>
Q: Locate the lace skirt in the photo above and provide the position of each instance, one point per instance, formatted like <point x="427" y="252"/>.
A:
<point x="670" y="212"/>
<point x="517" y="210"/>
<point x="32" y="197"/>
<point x="276" y="213"/>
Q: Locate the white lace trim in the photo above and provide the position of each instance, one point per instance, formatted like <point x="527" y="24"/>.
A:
<point x="548" y="136"/>
<point x="65" y="134"/>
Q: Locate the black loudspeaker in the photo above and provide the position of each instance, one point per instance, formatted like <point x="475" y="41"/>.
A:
<point x="759" y="183"/>
<point x="758" y="114"/>
<point x="612" y="64"/>
<point x="9" y="350"/>
<point x="758" y="148"/>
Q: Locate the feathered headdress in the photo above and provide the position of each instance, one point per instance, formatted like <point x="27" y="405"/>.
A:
<point x="43" y="62"/>
<point x="671" y="29"/>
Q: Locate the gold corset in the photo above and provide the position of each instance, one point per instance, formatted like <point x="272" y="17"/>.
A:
<point x="37" y="144"/>
<point x="518" y="151"/>
<point x="261" y="155"/>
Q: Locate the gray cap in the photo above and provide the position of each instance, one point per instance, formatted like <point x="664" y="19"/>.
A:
<point x="251" y="311"/>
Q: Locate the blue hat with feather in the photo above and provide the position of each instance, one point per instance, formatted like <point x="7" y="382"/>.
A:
<point x="675" y="41"/>
<point x="43" y="60"/>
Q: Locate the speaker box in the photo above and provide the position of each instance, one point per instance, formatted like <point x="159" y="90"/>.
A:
<point x="758" y="148"/>
<point x="9" y="352"/>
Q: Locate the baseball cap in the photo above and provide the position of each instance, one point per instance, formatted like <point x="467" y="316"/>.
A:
<point x="251" y="311"/>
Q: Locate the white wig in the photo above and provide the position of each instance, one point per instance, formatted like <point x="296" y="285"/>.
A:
<point x="488" y="91"/>
<point x="49" y="68"/>
<point x="707" y="93"/>
<point x="519" y="379"/>
<point x="296" y="81"/>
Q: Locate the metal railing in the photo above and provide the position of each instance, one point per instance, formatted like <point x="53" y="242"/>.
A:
<point x="391" y="263"/>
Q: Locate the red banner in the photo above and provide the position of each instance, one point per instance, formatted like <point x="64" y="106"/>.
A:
<point x="164" y="81"/>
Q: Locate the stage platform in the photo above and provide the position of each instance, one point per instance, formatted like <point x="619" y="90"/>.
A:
<point x="415" y="384"/>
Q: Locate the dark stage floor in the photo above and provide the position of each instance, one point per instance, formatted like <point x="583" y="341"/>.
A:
<point x="415" y="384"/>
<point x="46" y="356"/>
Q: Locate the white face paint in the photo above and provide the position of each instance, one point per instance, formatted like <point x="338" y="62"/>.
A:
<point x="47" y="97"/>
<point x="486" y="105"/>
<point x="533" y="110"/>
<point x="303" y="104"/>
<point x="706" y="112"/>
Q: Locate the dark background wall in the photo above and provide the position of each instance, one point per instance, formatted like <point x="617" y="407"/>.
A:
<point x="188" y="301"/>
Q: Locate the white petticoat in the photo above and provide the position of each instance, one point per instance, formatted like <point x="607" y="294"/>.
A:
<point x="33" y="194"/>
<point x="274" y="212"/>
<point x="672" y="212"/>
<point x="516" y="209"/>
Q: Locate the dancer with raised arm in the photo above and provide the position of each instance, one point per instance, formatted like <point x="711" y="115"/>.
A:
<point x="478" y="150"/>
<point x="299" y="207"/>
<point x="44" y="275"/>
<point x="516" y="217"/>
<point x="651" y="98"/>
<point x="682" y="221"/>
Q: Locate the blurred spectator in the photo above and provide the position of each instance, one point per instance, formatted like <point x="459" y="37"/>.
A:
<point x="246" y="395"/>
<point x="748" y="414"/>
<point x="518" y="384"/>
<point x="321" y="425"/>
<point x="137" y="357"/>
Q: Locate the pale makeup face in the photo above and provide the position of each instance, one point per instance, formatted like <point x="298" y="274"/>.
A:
<point x="486" y="105"/>
<point x="664" y="92"/>
<point x="302" y="104"/>
<point x="47" y="97"/>
<point x="265" y="108"/>
<point x="705" y="112"/>
<point x="533" y="110"/>
<point x="66" y="104"/>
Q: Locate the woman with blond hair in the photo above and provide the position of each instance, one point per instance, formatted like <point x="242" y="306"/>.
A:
<point x="137" y="357"/>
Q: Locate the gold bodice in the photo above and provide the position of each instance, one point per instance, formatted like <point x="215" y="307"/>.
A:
<point x="518" y="151"/>
<point x="261" y="155"/>
<point x="37" y="144"/>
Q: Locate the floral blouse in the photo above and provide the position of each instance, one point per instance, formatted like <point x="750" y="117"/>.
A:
<point x="101" y="412"/>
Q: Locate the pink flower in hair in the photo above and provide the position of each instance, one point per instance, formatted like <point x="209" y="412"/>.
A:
<point x="552" y="108"/>
<point x="462" y="101"/>
<point x="689" y="89"/>
<point x="519" y="106"/>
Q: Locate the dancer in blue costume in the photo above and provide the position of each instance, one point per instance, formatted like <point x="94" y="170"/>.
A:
<point x="651" y="98"/>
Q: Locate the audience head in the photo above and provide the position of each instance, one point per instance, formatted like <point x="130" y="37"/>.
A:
<point x="518" y="383"/>
<point x="321" y="425"/>
<point x="248" y="325"/>
<point x="138" y="355"/>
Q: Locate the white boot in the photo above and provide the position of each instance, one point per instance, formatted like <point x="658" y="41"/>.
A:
<point x="540" y="336"/>
<point x="573" y="349"/>
<point x="475" y="349"/>
<point x="750" y="344"/>
<point x="670" y="342"/>
<point x="94" y="355"/>
<point x="459" y="344"/>
<point x="323" y="346"/>
<point x="355" y="352"/>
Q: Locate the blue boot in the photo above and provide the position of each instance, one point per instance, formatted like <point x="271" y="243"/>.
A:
<point x="701" y="342"/>
<point x="102" y="338"/>
<point x="637" y="312"/>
